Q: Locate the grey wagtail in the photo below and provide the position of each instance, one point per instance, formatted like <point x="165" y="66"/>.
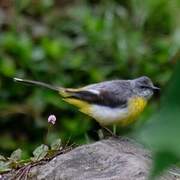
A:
<point x="115" y="102"/>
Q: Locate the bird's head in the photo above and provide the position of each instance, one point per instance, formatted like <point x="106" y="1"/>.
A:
<point x="143" y="86"/>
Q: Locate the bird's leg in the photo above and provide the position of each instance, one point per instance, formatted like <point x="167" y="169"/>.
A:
<point x="109" y="131"/>
<point x="99" y="130"/>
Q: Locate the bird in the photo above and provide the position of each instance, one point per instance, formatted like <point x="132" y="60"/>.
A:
<point x="113" y="102"/>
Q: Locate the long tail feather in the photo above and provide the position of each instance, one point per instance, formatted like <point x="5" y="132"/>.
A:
<point x="37" y="83"/>
<point x="64" y="92"/>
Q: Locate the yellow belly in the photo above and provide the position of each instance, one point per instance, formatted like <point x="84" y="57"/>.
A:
<point x="109" y="116"/>
<point x="136" y="106"/>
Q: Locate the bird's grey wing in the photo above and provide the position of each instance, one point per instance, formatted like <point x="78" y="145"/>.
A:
<point x="109" y="93"/>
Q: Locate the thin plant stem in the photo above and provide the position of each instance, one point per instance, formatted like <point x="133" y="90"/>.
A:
<point x="114" y="129"/>
<point x="47" y="134"/>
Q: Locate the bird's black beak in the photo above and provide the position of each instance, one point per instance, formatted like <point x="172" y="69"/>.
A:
<point x="156" y="89"/>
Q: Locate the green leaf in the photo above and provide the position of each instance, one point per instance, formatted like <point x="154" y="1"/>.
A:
<point x="56" y="145"/>
<point x="162" y="160"/>
<point x="162" y="131"/>
<point x="16" y="155"/>
<point x="2" y="158"/>
<point x="40" y="152"/>
<point x="7" y="67"/>
<point x="4" y="166"/>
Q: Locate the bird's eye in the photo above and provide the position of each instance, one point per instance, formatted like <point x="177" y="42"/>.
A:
<point x="144" y="87"/>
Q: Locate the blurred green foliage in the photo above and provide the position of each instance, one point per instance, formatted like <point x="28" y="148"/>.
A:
<point x="161" y="131"/>
<point x="73" y="43"/>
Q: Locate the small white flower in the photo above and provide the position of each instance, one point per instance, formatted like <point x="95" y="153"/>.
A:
<point x="52" y="119"/>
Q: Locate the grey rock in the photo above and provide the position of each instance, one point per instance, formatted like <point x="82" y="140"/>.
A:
<point x="111" y="159"/>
